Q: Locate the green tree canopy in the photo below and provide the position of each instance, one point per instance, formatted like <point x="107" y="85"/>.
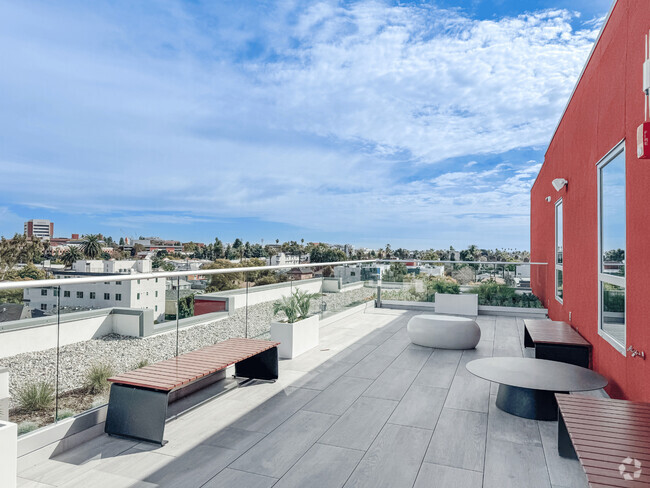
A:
<point x="322" y="253"/>
<point x="19" y="249"/>
<point x="71" y="255"/>
<point x="91" y="246"/>
<point x="395" y="273"/>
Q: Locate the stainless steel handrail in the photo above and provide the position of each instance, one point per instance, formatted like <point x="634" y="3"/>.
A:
<point x="9" y="285"/>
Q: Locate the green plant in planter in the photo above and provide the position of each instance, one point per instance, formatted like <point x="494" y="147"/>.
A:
<point x="35" y="396"/>
<point x="296" y="306"/>
<point x="96" y="380"/>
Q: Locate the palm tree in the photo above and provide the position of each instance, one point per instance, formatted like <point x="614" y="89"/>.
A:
<point x="72" y="255"/>
<point x="91" y="246"/>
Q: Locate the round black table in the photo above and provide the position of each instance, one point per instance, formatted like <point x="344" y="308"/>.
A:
<point x="527" y="386"/>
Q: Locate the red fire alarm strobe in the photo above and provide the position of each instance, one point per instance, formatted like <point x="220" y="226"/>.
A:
<point x="643" y="141"/>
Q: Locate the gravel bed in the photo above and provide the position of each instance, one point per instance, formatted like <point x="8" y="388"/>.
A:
<point x="123" y="353"/>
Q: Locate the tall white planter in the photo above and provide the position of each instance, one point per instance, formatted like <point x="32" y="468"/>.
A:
<point x="8" y="454"/>
<point x="295" y="338"/>
<point x="4" y="394"/>
<point x="461" y="304"/>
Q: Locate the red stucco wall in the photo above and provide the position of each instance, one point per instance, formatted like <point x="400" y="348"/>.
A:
<point x="202" y="307"/>
<point x="606" y="107"/>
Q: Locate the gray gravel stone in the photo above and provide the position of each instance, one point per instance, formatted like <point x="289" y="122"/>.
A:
<point x="124" y="352"/>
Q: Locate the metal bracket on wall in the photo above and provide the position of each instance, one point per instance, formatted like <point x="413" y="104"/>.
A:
<point x="635" y="353"/>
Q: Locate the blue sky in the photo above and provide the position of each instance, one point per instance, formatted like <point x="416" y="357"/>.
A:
<point x="422" y="124"/>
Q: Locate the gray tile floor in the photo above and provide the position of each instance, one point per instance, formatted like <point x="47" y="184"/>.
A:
<point x="365" y="409"/>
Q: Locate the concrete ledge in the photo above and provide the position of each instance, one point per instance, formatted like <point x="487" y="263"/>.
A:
<point x="537" y="313"/>
<point x="54" y="439"/>
<point x="430" y="307"/>
<point x="406" y="305"/>
<point x="346" y="313"/>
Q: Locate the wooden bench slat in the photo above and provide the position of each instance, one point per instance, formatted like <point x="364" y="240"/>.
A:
<point x="604" y="442"/>
<point x="178" y="371"/>
<point x="600" y="425"/>
<point x="613" y="456"/>
<point x="611" y="403"/>
<point x="596" y="446"/>
<point x="599" y="414"/>
<point x="161" y="367"/>
<point x="554" y="332"/>
<point x="168" y="377"/>
<point x="604" y="432"/>
<point x="613" y="478"/>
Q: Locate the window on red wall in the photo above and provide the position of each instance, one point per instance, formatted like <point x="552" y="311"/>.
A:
<point x="611" y="245"/>
<point x="559" y="255"/>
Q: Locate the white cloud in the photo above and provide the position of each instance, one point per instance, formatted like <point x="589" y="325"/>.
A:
<point x="174" y="110"/>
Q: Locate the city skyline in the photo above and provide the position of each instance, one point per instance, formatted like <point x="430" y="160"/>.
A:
<point x="359" y="122"/>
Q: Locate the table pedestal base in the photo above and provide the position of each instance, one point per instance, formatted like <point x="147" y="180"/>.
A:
<point x="527" y="403"/>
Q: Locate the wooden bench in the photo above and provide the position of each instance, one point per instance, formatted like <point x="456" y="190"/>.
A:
<point x="137" y="406"/>
<point x="611" y="438"/>
<point x="557" y="341"/>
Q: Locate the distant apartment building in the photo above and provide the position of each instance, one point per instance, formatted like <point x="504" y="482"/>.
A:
<point x="146" y="294"/>
<point x="283" y="259"/>
<point x="41" y="228"/>
<point x="158" y="244"/>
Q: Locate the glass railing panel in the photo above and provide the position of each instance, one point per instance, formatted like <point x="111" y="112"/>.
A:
<point x="28" y="356"/>
<point x="496" y="284"/>
<point x="108" y="328"/>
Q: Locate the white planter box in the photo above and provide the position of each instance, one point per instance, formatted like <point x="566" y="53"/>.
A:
<point x="463" y="304"/>
<point x="4" y="394"/>
<point x="295" y="338"/>
<point x="8" y="454"/>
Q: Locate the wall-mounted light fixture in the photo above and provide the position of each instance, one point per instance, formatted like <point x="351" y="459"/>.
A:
<point x="559" y="183"/>
<point x="548" y="198"/>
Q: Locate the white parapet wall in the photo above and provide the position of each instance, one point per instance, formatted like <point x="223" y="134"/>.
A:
<point x="457" y="304"/>
<point x="266" y="293"/>
<point x="4" y="394"/>
<point x="40" y="334"/>
<point x="8" y="454"/>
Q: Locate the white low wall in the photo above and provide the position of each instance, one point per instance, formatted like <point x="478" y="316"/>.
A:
<point x="8" y="454"/>
<point x="4" y="394"/>
<point x="331" y="285"/>
<point x="39" y="334"/>
<point x="463" y="304"/>
<point x="267" y="293"/>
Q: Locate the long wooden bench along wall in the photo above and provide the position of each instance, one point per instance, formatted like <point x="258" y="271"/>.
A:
<point x="557" y="341"/>
<point x="610" y="438"/>
<point x="137" y="406"/>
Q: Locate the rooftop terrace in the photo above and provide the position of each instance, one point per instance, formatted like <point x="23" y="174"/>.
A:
<point x="365" y="409"/>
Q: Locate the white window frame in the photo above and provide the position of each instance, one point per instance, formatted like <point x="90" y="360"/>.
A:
<point x="605" y="277"/>
<point x="559" y="267"/>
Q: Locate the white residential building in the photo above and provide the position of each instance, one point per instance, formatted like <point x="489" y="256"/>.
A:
<point x="112" y="266"/>
<point x="146" y="294"/>
<point x="282" y="259"/>
<point x="432" y="270"/>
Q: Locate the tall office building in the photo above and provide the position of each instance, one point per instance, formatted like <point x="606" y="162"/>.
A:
<point x="43" y="229"/>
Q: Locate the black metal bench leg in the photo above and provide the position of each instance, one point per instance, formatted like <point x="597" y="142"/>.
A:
<point x="564" y="443"/>
<point x="528" y="341"/>
<point x="262" y="366"/>
<point x="137" y="413"/>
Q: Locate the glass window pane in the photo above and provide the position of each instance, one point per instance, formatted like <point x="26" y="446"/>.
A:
<point x="613" y="311"/>
<point x="559" y="226"/>
<point x="613" y="216"/>
<point x="559" y="289"/>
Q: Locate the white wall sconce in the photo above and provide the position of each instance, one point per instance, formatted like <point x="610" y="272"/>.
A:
<point x="548" y="198"/>
<point x="559" y="183"/>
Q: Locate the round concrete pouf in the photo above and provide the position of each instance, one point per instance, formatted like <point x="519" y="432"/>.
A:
<point x="444" y="331"/>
